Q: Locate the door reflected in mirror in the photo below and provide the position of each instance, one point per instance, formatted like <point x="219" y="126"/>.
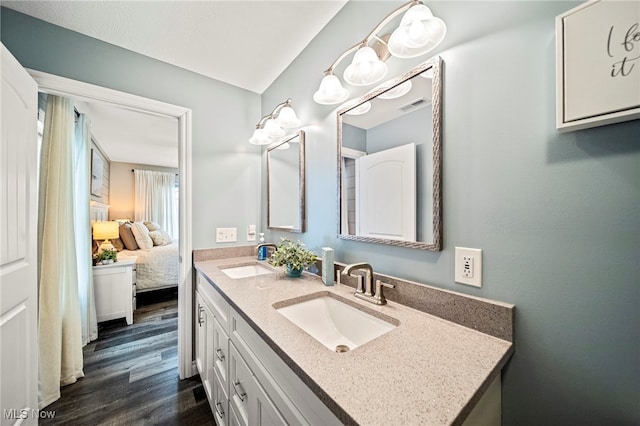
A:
<point x="389" y="162"/>
<point x="286" y="184"/>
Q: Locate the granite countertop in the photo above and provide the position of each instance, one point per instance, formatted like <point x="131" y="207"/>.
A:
<point x="425" y="371"/>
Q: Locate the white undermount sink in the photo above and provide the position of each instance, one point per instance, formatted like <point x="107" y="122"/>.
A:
<point x="337" y="325"/>
<point x="246" y="271"/>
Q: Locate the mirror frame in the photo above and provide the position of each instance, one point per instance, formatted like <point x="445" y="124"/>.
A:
<point x="301" y="176"/>
<point x="436" y="64"/>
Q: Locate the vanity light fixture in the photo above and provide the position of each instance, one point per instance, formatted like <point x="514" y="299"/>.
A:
<point x="418" y="33"/>
<point x="276" y="124"/>
<point x="398" y="91"/>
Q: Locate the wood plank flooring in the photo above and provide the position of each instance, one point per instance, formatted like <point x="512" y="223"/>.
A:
<point x="131" y="374"/>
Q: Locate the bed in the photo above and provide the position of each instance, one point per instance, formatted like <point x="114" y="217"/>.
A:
<point x="156" y="268"/>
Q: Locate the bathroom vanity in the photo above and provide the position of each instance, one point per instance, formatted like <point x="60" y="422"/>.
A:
<point x="258" y="367"/>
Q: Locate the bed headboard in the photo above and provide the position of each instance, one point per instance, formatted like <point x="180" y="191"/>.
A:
<point x="98" y="211"/>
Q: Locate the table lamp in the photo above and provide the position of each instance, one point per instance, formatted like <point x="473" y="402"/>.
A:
<point x="103" y="230"/>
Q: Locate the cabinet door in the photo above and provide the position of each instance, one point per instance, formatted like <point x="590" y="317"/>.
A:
<point x="201" y="338"/>
<point x="247" y="398"/>
<point x="220" y="403"/>
<point x="221" y="354"/>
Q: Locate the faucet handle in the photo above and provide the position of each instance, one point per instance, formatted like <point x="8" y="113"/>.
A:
<point x="379" y="297"/>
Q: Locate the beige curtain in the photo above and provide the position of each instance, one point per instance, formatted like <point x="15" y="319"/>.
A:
<point x="59" y="329"/>
<point x="154" y="199"/>
<point x="82" y="226"/>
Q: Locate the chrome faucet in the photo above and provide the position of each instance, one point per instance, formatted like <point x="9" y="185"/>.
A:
<point x="366" y="293"/>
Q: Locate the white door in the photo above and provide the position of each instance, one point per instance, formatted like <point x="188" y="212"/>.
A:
<point x="386" y="194"/>
<point x="18" y="247"/>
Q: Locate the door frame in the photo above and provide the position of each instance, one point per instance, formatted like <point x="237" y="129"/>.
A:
<point x="57" y="85"/>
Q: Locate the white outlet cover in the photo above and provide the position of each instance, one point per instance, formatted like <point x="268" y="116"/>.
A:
<point x="472" y="275"/>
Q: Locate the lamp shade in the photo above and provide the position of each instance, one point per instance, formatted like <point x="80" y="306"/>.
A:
<point x="106" y="230"/>
<point x="259" y="138"/>
<point x="418" y="33"/>
<point x="273" y="129"/>
<point x="366" y="68"/>
<point x="360" y="109"/>
<point x="287" y="118"/>
<point x="331" y="91"/>
<point x="397" y="91"/>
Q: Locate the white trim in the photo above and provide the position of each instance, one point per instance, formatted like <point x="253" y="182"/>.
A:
<point x="54" y="84"/>
<point x="352" y="153"/>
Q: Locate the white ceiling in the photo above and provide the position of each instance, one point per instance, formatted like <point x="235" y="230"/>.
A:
<point x="224" y="40"/>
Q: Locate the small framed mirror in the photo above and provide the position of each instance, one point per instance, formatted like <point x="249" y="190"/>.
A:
<point x="286" y="184"/>
<point x="389" y="158"/>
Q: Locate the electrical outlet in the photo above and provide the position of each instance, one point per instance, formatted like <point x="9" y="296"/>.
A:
<point x="226" y="235"/>
<point x="468" y="266"/>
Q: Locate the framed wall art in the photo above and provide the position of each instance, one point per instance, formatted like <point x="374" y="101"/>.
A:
<point x="97" y="169"/>
<point x="598" y="64"/>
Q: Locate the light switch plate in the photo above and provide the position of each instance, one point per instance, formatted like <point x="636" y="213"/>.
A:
<point x="226" y="235"/>
<point x="251" y="233"/>
<point x="468" y="266"/>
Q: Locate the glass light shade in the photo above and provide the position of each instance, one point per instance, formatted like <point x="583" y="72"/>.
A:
<point x="103" y="230"/>
<point x="418" y="33"/>
<point x="285" y="145"/>
<point x="360" y="109"/>
<point x="273" y="129"/>
<point x="259" y="138"/>
<point x="396" y="92"/>
<point x="287" y="118"/>
<point x="366" y="68"/>
<point x="331" y="91"/>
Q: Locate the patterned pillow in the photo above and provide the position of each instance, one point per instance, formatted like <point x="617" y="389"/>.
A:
<point x="160" y="237"/>
<point x="152" y="226"/>
<point x="141" y="234"/>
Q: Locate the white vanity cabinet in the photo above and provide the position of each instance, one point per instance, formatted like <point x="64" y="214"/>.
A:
<point x="249" y="383"/>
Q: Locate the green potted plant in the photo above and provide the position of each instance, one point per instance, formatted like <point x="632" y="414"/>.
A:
<point x="107" y="256"/>
<point x="294" y="256"/>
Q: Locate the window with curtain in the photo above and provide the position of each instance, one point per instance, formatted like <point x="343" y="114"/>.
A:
<point x="155" y="199"/>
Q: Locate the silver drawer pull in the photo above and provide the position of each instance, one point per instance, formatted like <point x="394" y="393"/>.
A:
<point x="219" y="410"/>
<point x="241" y="393"/>
<point x="219" y="354"/>
<point x="200" y="310"/>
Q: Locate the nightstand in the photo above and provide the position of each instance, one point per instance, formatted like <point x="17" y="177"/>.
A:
<point x="115" y="290"/>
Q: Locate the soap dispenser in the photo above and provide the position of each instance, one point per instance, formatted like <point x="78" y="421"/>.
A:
<point x="262" y="251"/>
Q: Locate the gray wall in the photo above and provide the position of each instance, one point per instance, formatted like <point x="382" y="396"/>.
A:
<point x="226" y="176"/>
<point x="557" y="215"/>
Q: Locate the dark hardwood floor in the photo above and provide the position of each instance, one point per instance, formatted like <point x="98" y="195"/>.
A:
<point x="131" y="374"/>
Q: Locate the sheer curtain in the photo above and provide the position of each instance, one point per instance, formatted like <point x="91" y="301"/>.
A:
<point x="155" y="200"/>
<point x="59" y="329"/>
<point x="82" y="221"/>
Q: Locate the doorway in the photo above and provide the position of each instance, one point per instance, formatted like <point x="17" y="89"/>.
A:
<point x="56" y="85"/>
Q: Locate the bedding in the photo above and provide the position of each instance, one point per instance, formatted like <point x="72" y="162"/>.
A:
<point x="156" y="268"/>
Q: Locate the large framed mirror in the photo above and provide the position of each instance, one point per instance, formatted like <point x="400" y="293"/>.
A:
<point x="286" y="184"/>
<point x="389" y="162"/>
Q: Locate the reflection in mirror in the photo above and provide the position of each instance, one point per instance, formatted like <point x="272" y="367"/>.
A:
<point x="285" y="184"/>
<point x="389" y="162"/>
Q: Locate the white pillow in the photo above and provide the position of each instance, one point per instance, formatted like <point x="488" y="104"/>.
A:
<point x="160" y="237"/>
<point x="141" y="234"/>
